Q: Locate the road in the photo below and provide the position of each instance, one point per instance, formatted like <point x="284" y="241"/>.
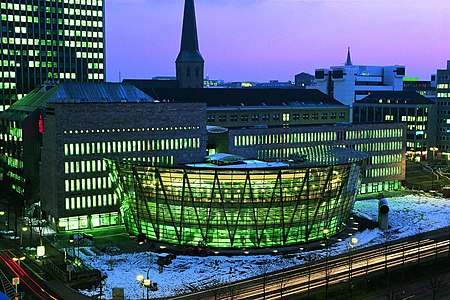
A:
<point x="298" y="280"/>
<point x="26" y="271"/>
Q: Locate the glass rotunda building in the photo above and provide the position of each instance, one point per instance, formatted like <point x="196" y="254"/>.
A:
<point x="228" y="202"/>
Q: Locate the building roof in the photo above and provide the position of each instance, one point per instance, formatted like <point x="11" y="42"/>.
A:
<point x="74" y="92"/>
<point x="244" y="97"/>
<point x="317" y="156"/>
<point x="395" y="97"/>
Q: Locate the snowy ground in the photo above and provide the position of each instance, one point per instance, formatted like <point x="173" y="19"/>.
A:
<point x="408" y="215"/>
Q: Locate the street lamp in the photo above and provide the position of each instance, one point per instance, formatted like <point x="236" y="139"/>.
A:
<point x="18" y="259"/>
<point x="2" y="213"/>
<point x="352" y="243"/>
<point x="140" y="278"/>
<point x="327" y="271"/>
<point x="433" y="149"/>
<point x="24" y="229"/>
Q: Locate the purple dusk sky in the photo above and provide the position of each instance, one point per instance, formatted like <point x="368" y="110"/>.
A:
<point x="262" y="40"/>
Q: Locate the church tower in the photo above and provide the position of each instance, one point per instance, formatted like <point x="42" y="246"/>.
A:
<point x="189" y="63"/>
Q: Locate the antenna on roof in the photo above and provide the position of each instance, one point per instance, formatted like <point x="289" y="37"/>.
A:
<point x="120" y="76"/>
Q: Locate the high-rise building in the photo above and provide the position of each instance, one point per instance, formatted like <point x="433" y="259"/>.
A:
<point x="443" y="102"/>
<point x="49" y="41"/>
<point x="349" y="83"/>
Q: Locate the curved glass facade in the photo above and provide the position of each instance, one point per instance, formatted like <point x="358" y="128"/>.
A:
<point x="234" y="206"/>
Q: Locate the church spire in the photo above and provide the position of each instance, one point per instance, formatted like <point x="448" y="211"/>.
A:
<point x="349" y="60"/>
<point x="189" y="63"/>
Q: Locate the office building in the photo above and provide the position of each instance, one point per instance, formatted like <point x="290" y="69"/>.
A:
<point x="62" y="133"/>
<point x="407" y="107"/>
<point x="349" y="83"/>
<point x="426" y="88"/>
<point x="52" y="41"/>
<point x="443" y="107"/>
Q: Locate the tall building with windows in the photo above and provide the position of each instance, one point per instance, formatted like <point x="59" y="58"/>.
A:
<point x="443" y="107"/>
<point x="408" y="107"/>
<point x="49" y="41"/>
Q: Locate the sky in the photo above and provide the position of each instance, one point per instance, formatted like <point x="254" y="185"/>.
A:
<point x="262" y="40"/>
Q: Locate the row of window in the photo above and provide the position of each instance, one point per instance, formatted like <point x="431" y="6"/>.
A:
<point x="286" y="138"/>
<point x="87" y="184"/>
<point x="383" y="172"/>
<point x="373" y="134"/>
<point x="275" y="117"/>
<point x="130" y="146"/>
<point x="82" y="202"/>
<point x="83" y="131"/>
<point x="307" y="137"/>
<point x="386" y="159"/>
<point x="84" y="166"/>
<point x="23" y="7"/>
<point x="375" y="147"/>
<point x="99" y="165"/>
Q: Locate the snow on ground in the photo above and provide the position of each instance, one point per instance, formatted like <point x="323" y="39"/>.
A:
<point x="408" y="215"/>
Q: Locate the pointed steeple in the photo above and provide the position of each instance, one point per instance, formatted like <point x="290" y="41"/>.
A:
<point x="349" y="60"/>
<point x="189" y="63"/>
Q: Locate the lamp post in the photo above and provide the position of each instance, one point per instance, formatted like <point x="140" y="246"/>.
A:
<point x="2" y="213"/>
<point x="140" y="278"/>
<point x="327" y="279"/>
<point x="352" y="243"/>
<point x="18" y="259"/>
<point x="24" y="229"/>
<point x="433" y="149"/>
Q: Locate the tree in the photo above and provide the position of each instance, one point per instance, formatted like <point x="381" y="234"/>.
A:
<point x="263" y="269"/>
<point x="435" y="284"/>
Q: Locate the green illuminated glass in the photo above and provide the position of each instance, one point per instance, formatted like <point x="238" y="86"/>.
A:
<point x="235" y="208"/>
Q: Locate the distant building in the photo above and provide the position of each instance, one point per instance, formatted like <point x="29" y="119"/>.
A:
<point x="407" y="107"/>
<point x="443" y="106"/>
<point x="426" y="88"/>
<point x="49" y="41"/>
<point x="303" y="80"/>
<point x="259" y="107"/>
<point x="277" y="123"/>
<point x="349" y="83"/>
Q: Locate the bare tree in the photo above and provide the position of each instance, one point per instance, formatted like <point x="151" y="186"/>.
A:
<point x="282" y="282"/>
<point x="435" y="284"/>
<point x="386" y="239"/>
<point x="393" y="294"/>
<point x="366" y="275"/>
<point x="263" y="269"/>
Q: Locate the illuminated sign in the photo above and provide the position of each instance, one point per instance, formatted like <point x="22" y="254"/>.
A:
<point x="41" y="124"/>
<point x="40" y="251"/>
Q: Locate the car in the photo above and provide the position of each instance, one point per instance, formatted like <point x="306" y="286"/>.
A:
<point x="80" y="236"/>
